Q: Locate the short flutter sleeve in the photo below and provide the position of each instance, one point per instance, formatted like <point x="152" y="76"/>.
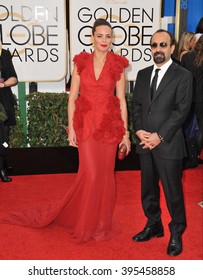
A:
<point x="80" y="60"/>
<point x="118" y="64"/>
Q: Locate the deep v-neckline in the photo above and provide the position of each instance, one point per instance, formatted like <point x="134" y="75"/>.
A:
<point x="102" y="69"/>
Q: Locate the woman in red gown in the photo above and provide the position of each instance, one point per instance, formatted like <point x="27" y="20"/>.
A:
<point x="97" y="120"/>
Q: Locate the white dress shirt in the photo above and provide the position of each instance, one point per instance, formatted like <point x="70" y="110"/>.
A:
<point x="162" y="71"/>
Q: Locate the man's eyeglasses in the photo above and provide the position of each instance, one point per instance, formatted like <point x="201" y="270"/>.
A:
<point x="162" y="45"/>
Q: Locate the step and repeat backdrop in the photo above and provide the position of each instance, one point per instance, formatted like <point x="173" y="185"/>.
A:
<point x="35" y="33"/>
<point x="133" y="23"/>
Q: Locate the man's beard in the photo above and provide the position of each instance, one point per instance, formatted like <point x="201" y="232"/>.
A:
<point x="159" y="57"/>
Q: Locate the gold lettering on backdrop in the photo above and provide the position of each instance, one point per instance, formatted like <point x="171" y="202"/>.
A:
<point x="130" y="36"/>
<point x="26" y="13"/>
<point x="30" y="28"/>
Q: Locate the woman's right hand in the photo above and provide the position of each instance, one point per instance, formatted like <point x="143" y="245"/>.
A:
<point x="72" y="138"/>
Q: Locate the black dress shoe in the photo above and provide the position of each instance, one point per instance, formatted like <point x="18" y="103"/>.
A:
<point x="175" y="245"/>
<point x="3" y="176"/>
<point x="148" y="233"/>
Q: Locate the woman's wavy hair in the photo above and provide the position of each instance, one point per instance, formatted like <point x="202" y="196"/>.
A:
<point x="198" y="49"/>
<point x="185" y="39"/>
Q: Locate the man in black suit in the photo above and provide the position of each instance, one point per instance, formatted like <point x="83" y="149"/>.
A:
<point x="158" y="114"/>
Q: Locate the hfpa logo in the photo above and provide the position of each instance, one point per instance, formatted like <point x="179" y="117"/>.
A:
<point x="184" y="4"/>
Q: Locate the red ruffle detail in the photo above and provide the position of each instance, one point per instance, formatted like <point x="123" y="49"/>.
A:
<point x="118" y="63"/>
<point x="80" y="60"/>
<point x="111" y="128"/>
<point x="82" y="106"/>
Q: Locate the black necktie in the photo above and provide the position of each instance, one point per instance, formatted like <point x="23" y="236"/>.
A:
<point x="154" y="82"/>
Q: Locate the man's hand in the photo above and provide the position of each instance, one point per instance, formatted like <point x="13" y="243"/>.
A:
<point x="148" y="140"/>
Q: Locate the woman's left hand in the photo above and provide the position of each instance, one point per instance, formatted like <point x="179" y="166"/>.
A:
<point x="127" y="143"/>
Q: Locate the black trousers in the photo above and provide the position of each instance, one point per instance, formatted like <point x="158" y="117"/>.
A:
<point x="169" y="173"/>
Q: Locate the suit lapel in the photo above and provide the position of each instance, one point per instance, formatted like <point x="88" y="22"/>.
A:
<point x="167" y="78"/>
<point x="146" y="82"/>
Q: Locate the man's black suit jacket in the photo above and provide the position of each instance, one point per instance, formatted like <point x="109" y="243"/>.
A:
<point x="167" y="111"/>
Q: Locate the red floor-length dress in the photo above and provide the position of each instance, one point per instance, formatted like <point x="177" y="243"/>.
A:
<point x="87" y="209"/>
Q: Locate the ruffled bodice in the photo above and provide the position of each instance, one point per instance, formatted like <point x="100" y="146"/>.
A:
<point x="97" y="105"/>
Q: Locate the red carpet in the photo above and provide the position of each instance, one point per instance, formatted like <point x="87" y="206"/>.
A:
<point x="53" y="243"/>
